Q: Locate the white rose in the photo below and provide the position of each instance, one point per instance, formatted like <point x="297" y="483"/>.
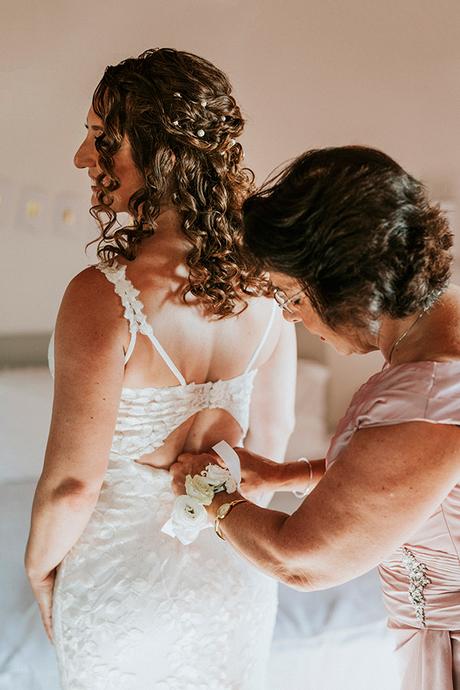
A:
<point x="189" y="512"/>
<point x="198" y="488"/>
<point x="216" y="475"/>
<point x="230" y="486"/>
<point x="188" y="518"/>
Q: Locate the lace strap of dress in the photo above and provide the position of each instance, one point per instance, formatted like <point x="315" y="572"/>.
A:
<point x="134" y="313"/>
<point x="263" y="340"/>
<point x="116" y="274"/>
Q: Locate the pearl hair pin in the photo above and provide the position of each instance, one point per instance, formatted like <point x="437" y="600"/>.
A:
<point x="200" y="133"/>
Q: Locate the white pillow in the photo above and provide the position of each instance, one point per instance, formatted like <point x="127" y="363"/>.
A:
<point x="27" y="659"/>
<point x="310" y="436"/>
<point x="25" y="410"/>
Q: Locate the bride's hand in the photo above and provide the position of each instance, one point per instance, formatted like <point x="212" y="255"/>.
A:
<point x="42" y="588"/>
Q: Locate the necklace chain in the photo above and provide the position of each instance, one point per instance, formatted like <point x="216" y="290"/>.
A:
<point x="400" y="338"/>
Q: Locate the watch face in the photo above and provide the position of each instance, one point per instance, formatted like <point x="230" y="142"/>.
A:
<point x="223" y="510"/>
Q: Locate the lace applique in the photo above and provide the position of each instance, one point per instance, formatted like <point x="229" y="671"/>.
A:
<point x="132" y="609"/>
<point x="417" y="583"/>
<point x="128" y="295"/>
<point x="146" y="417"/>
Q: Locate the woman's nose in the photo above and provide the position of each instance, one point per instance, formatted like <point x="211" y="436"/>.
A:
<point x="85" y="156"/>
<point x="291" y="316"/>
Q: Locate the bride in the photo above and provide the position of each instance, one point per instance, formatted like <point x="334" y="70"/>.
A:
<point x="160" y="348"/>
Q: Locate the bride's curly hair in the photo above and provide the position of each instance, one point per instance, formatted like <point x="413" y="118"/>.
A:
<point x="177" y="111"/>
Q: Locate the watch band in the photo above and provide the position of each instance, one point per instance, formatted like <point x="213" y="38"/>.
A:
<point x="222" y="513"/>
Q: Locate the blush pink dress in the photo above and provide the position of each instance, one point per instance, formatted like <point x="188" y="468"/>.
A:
<point x="421" y="579"/>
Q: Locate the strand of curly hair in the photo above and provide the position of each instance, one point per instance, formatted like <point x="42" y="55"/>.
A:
<point x="181" y="120"/>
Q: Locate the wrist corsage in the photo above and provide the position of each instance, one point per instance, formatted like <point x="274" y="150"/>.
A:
<point x="189" y="514"/>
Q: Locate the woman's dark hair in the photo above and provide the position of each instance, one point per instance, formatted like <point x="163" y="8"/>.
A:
<point x="177" y="111"/>
<point x="357" y="232"/>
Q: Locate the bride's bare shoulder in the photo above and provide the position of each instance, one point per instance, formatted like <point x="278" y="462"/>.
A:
<point x="89" y="290"/>
<point x="90" y="306"/>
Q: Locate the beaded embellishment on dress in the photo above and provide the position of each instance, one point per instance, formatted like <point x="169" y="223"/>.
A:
<point x="417" y="583"/>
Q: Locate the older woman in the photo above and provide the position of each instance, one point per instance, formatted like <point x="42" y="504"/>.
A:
<point x="358" y="254"/>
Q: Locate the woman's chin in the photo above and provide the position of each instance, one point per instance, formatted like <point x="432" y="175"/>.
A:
<point x="345" y="349"/>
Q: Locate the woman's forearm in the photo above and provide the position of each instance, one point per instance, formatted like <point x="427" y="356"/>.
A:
<point x="59" y="516"/>
<point x="259" y="534"/>
<point x="256" y="533"/>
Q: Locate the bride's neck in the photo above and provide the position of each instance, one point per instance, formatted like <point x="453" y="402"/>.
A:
<point x="168" y="245"/>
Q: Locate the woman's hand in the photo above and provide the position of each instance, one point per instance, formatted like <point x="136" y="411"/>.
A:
<point x="42" y="588"/>
<point x="190" y="463"/>
<point x="257" y="473"/>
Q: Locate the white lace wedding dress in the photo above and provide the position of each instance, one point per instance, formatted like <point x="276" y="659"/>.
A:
<point x="133" y="608"/>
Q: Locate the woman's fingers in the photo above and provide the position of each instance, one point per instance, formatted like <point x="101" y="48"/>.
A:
<point x="216" y="459"/>
<point x="44" y="604"/>
<point x="192" y="464"/>
<point x="178" y="473"/>
<point x="189" y="463"/>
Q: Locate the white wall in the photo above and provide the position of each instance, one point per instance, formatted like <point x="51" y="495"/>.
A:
<point x="307" y="74"/>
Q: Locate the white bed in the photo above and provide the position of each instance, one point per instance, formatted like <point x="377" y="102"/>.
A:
<point x="324" y="640"/>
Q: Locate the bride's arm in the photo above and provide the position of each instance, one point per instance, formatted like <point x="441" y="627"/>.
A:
<point x="272" y="420"/>
<point x="89" y="363"/>
<point x="272" y="415"/>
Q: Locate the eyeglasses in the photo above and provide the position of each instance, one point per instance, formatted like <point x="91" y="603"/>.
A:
<point x="283" y="301"/>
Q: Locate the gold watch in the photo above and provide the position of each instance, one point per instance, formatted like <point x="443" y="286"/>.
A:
<point x="222" y="513"/>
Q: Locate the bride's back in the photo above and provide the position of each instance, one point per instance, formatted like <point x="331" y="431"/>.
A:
<point x="180" y="347"/>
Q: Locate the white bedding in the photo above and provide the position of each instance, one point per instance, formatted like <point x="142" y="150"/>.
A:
<point x="324" y="640"/>
<point x="25" y="411"/>
<point x="26" y="656"/>
<point x="333" y="639"/>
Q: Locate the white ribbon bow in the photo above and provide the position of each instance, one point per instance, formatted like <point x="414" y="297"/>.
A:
<point x="231" y="459"/>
